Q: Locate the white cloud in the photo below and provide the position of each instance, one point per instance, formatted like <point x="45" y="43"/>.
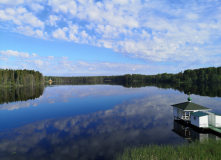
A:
<point x="60" y="33"/>
<point x="35" y="61"/>
<point x="50" y="57"/>
<point x="38" y="62"/>
<point x="52" y="20"/>
<point x="11" y="2"/>
<point x="122" y="2"/>
<point x="34" y="55"/>
<point x="156" y="31"/>
<point x="102" y="66"/>
<point x="4" y="16"/>
<point x="36" y="7"/>
<point x="105" y="29"/>
<point x="27" y="30"/>
<point x="73" y="31"/>
<point x="3" y="58"/>
<point x="64" y="6"/>
<point x="9" y="53"/>
<point x="21" y="10"/>
<point x="106" y="44"/>
<point x="10" y="11"/>
<point x="29" y="18"/>
<point x="83" y="34"/>
<point x="90" y="26"/>
<point x="192" y="16"/>
<point x="39" y="33"/>
<point x="20" y="16"/>
<point x="145" y="34"/>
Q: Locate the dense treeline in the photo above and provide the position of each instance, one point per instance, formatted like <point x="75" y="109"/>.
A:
<point x="92" y="79"/>
<point x="202" y="75"/>
<point x="31" y="77"/>
<point x="15" y="94"/>
<point x="197" y="81"/>
<point x="11" y="77"/>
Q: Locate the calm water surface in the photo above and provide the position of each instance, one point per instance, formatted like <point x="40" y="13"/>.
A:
<point x="91" y="121"/>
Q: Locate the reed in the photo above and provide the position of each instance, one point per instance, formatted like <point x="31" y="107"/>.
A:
<point x="208" y="149"/>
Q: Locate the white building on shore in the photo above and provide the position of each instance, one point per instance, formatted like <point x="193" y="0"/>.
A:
<point x="197" y="115"/>
<point x="183" y="110"/>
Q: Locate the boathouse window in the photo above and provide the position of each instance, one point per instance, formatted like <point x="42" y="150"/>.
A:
<point x="194" y="118"/>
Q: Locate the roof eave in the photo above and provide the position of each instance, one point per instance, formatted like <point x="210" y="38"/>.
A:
<point x="193" y="109"/>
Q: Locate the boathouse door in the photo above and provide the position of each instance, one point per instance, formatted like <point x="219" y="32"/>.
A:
<point x="211" y="118"/>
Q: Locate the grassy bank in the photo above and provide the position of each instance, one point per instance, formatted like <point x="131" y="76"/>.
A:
<point x="208" y="150"/>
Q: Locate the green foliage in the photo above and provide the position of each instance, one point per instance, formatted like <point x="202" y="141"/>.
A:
<point x="207" y="149"/>
<point x="189" y="80"/>
<point x="202" y="75"/>
<point x="31" y="77"/>
<point x="20" y="77"/>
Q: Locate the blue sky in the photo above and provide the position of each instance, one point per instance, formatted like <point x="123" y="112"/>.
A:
<point x="92" y="37"/>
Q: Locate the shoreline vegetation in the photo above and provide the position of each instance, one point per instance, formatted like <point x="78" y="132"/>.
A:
<point x="201" y="75"/>
<point x="204" y="87"/>
<point x="10" y="78"/>
<point x="207" y="149"/>
<point x="18" y="78"/>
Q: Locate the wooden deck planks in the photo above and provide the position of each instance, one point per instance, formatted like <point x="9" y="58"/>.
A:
<point x="216" y="129"/>
<point x="213" y="128"/>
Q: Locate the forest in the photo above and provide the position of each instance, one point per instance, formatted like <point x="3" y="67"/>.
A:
<point x="25" y="77"/>
<point x="201" y="75"/>
<point x="9" y="77"/>
<point x="198" y="81"/>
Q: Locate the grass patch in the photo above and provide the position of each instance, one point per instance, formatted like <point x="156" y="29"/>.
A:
<point x="208" y="149"/>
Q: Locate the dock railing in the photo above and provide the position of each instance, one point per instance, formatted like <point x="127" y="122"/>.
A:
<point x="185" y="117"/>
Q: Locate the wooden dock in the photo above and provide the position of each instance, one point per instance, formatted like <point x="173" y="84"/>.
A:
<point x="216" y="129"/>
<point x="213" y="128"/>
<point x="209" y="126"/>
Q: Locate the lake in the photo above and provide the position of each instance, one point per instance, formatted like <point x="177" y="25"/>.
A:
<point x="90" y="121"/>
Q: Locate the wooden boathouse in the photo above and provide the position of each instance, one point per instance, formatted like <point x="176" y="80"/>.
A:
<point x="184" y="110"/>
<point x="197" y="115"/>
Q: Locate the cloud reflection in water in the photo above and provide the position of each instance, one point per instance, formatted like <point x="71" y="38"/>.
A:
<point x="143" y="120"/>
<point x="99" y="134"/>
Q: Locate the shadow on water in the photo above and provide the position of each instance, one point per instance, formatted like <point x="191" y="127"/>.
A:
<point x="16" y="94"/>
<point x="24" y="93"/>
<point x="211" y="90"/>
<point x="192" y="133"/>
